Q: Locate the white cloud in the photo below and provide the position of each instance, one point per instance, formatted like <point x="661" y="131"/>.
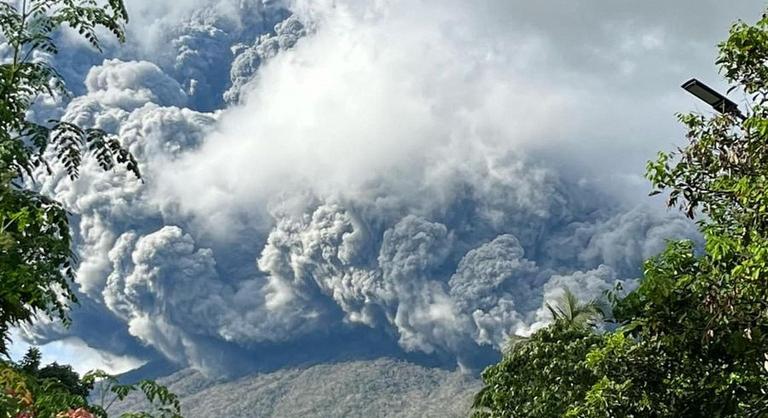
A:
<point x="75" y="352"/>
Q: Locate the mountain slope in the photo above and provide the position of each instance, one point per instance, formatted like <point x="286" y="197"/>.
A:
<point x="377" y="388"/>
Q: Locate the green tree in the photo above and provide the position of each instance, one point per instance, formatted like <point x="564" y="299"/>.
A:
<point x="570" y="310"/>
<point x="67" y="377"/>
<point x="31" y="361"/>
<point x="692" y="339"/>
<point x="540" y="376"/>
<point x="58" y="391"/>
<point x="36" y="262"/>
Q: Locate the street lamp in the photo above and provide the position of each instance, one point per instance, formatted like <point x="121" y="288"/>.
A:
<point x="711" y="97"/>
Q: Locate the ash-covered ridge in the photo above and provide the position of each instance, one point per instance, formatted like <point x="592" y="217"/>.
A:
<point x="374" y="388"/>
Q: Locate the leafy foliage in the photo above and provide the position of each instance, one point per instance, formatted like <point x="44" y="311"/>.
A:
<point x="164" y="403"/>
<point x="516" y="386"/>
<point x="569" y="310"/>
<point x="35" y="257"/>
<point x="36" y="261"/>
<point x="554" y="351"/>
<point x="58" y="391"/>
<point x="35" y="243"/>
<point x="692" y="339"/>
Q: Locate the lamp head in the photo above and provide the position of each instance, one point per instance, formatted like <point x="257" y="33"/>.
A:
<point x="710" y="96"/>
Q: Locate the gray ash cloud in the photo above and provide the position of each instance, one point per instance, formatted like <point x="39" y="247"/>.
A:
<point x="367" y="172"/>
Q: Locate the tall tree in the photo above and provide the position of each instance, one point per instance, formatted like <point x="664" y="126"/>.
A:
<point x="36" y="262"/>
<point x="57" y="391"/>
<point x="692" y="339"/>
<point x="540" y="376"/>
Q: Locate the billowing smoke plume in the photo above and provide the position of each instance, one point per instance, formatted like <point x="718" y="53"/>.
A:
<point x="248" y="58"/>
<point x="407" y="169"/>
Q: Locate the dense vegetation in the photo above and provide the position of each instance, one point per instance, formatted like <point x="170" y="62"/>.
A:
<point x="692" y="339"/>
<point x="36" y="261"/>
